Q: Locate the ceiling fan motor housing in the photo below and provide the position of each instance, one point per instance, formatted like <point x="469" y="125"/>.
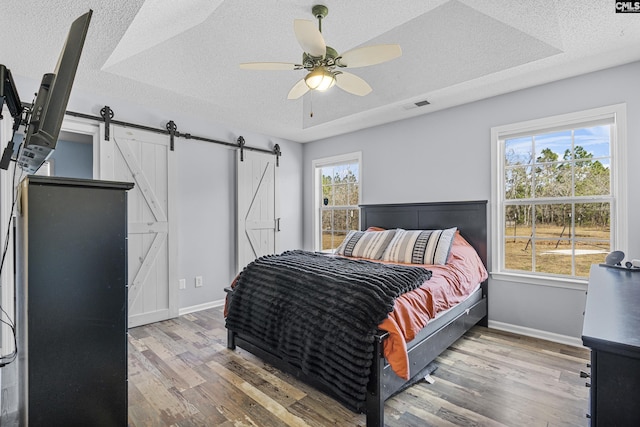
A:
<point x="330" y="56"/>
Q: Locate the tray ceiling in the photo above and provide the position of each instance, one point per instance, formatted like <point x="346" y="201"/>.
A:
<point x="183" y="56"/>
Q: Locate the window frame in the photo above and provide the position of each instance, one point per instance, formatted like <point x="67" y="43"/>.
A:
<point x="616" y="114"/>
<point x="317" y="165"/>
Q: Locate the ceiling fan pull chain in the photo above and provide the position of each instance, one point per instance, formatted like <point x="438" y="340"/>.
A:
<point x="311" y="104"/>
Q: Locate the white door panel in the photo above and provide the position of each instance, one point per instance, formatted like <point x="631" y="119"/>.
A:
<point x="257" y="209"/>
<point x="144" y="158"/>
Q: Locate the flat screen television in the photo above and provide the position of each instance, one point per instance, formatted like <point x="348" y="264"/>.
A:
<point x="9" y="95"/>
<point x="52" y="98"/>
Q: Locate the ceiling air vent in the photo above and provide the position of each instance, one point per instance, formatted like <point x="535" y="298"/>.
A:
<point x="416" y="104"/>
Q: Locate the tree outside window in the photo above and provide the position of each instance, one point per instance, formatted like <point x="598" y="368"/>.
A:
<point x="557" y="201"/>
<point x="338" y="182"/>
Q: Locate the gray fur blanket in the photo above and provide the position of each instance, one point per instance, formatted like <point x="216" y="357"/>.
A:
<point x="320" y="313"/>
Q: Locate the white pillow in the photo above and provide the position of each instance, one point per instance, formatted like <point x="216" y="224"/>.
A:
<point x="365" y="244"/>
<point x="420" y="246"/>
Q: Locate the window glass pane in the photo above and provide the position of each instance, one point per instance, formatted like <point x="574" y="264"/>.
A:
<point x="592" y="160"/>
<point x="338" y="237"/>
<point x="326" y="241"/>
<point x="349" y="173"/>
<point x="518" y="221"/>
<point x="340" y="194"/>
<point x="353" y="219"/>
<point x="593" y="220"/>
<point x="327" y="175"/>
<point x="340" y="220"/>
<point x="327" y="196"/>
<point x="553" y="251"/>
<point x="553" y="179"/>
<point x="331" y="240"/>
<point x="518" y="182"/>
<point x="354" y="194"/>
<point x="340" y="173"/>
<point x="327" y="219"/>
<point x="518" y="151"/>
<point x="327" y="187"/>
<point x="553" y="256"/>
<point x="590" y="252"/>
<point x="592" y="178"/>
<point x="554" y="146"/>
<point x="593" y="234"/>
<point x="593" y="231"/>
<point x="595" y="140"/>
<point x="517" y="254"/>
<point x="553" y="220"/>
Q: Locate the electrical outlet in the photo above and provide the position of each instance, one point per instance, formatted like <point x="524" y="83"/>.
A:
<point x="198" y="281"/>
<point x="183" y="284"/>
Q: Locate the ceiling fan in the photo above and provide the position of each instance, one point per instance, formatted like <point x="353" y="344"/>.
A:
<point x="324" y="64"/>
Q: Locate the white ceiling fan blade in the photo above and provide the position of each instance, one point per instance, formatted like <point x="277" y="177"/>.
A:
<point x="269" y="66"/>
<point x="298" y="90"/>
<point x="352" y="84"/>
<point x="370" y="55"/>
<point x="309" y="37"/>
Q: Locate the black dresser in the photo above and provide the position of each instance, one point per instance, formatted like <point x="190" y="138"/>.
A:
<point x="612" y="330"/>
<point x="72" y="302"/>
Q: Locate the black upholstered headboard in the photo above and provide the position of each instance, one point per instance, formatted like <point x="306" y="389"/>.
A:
<point x="469" y="217"/>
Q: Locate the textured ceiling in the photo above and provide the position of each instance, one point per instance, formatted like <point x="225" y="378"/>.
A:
<point x="184" y="55"/>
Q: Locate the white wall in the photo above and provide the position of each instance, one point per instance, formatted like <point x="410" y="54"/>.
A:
<point x="445" y="156"/>
<point x="206" y="190"/>
<point x="206" y="209"/>
<point x="402" y="162"/>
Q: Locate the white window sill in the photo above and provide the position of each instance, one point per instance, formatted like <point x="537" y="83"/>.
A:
<point x="530" y="279"/>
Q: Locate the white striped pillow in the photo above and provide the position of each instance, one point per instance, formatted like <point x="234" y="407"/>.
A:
<point x="420" y="246"/>
<point x="365" y="244"/>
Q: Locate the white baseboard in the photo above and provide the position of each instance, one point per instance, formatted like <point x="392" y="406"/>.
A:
<point x="200" y="307"/>
<point x="536" y="333"/>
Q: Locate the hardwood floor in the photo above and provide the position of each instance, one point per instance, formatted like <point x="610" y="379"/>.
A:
<point x="182" y="374"/>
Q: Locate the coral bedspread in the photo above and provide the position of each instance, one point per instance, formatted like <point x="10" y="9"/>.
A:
<point x="449" y="285"/>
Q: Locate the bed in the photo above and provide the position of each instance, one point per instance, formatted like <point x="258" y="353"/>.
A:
<point x="439" y="333"/>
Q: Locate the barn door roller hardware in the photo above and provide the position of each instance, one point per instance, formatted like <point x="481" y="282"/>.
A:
<point x="171" y="128"/>
<point x="241" y="145"/>
<point x="107" y="114"/>
<point x="276" y="151"/>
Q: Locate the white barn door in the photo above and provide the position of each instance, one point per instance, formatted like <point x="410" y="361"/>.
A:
<point x="144" y="158"/>
<point x="257" y="206"/>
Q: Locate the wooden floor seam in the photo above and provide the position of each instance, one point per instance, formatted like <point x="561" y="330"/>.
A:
<point x="182" y="374"/>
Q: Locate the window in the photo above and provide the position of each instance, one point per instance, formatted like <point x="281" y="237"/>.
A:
<point x="337" y="196"/>
<point x="559" y="194"/>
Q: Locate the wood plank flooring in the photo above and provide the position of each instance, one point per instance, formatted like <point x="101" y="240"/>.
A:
<point x="182" y="374"/>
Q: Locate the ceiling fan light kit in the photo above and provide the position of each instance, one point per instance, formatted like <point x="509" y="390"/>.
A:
<point x="321" y="60"/>
<point x="320" y="79"/>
